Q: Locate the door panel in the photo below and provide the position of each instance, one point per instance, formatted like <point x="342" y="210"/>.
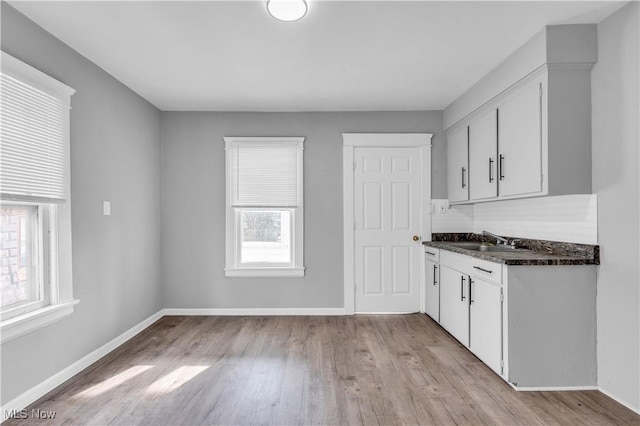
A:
<point x="454" y="304"/>
<point x="387" y="185"/>
<point x="520" y="142"/>
<point x="432" y="290"/>
<point x="483" y="153"/>
<point x="372" y="206"/>
<point x="458" y="165"/>
<point x="486" y="323"/>
<point x="401" y="206"/>
<point x="401" y="270"/>
<point x="372" y="264"/>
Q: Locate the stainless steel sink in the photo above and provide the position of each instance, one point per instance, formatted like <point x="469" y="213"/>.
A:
<point x="474" y="246"/>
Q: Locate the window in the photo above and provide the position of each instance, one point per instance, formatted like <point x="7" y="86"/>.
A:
<point x="264" y="207"/>
<point x="35" y="231"/>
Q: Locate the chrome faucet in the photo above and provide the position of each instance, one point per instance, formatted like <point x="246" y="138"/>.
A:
<point x="499" y="239"/>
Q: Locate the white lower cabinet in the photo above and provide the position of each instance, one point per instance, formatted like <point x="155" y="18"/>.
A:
<point x="533" y="325"/>
<point x="454" y="303"/>
<point x="432" y="282"/>
<point x="485" y="322"/>
<point x="432" y="290"/>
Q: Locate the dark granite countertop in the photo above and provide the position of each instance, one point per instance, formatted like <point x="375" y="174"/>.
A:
<point x="534" y="252"/>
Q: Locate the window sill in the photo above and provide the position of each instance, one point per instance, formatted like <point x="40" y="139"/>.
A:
<point x="26" y="323"/>
<point x="264" y="272"/>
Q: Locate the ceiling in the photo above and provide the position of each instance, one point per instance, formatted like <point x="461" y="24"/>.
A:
<point x="343" y="56"/>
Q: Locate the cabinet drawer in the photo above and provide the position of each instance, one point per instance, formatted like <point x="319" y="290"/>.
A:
<point x="432" y="254"/>
<point x="485" y="270"/>
<point x="489" y="271"/>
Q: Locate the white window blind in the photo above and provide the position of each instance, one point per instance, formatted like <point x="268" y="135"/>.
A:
<point x="264" y="174"/>
<point x="33" y="140"/>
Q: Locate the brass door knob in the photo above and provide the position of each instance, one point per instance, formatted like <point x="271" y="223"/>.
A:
<point x="416" y="238"/>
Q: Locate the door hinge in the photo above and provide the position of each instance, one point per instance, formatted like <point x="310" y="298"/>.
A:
<point x="540" y="89"/>
<point x="501" y="296"/>
<point x="501" y="366"/>
<point x="354" y="166"/>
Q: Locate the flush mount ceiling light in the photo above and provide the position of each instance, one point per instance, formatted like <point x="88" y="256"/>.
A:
<point x="287" y="10"/>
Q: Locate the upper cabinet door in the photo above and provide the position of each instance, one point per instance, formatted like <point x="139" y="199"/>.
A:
<point x="458" y="165"/>
<point x="520" y="142"/>
<point x="483" y="154"/>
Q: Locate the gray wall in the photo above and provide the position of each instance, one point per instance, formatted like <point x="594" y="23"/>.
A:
<point x="193" y="207"/>
<point x="115" y="155"/>
<point x="615" y="98"/>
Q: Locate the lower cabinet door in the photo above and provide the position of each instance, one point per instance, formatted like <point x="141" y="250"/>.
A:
<point x="454" y="303"/>
<point x="432" y="290"/>
<point x="486" y="323"/>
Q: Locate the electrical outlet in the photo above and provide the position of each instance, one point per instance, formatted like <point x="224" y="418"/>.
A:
<point x="442" y="207"/>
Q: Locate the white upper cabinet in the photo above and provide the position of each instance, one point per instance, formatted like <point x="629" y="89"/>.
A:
<point x="483" y="155"/>
<point x="531" y="140"/>
<point x="528" y="122"/>
<point x="520" y="142"/>
<point x="458" y="165"/>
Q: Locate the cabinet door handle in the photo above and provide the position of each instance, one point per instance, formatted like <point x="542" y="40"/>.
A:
<point x="435" y="274"/>
<point x="462" y="289"/>
<point x="491" y="170"/>
<point x="501" y="167"/>
<point x="483" y="270"/>
<point x="463" y="171"/>
<point x="470" y="291"/>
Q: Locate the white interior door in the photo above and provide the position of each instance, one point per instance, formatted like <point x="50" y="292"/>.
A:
<point x="387" y="259"/>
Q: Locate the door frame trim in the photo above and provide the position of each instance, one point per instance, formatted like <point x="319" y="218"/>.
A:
<point x="350" y="141"/>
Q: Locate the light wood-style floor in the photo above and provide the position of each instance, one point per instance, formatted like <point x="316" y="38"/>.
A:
<point x="308" y="370"/>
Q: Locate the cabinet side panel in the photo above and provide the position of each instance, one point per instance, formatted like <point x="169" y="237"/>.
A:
<point x="569" y="128"/>
<point x="552" y="326"/>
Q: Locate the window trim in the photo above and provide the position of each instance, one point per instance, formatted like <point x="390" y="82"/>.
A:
<point x="56" y="244"/>
<point x="233" y="268"/>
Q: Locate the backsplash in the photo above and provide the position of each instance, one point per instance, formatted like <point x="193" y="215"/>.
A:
<point x="455" y="218"/>
<point x="568" y="218"/>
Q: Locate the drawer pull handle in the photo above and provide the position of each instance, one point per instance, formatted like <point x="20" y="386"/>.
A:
<point x="483" y="270"/>
<point x="429" y="253"/>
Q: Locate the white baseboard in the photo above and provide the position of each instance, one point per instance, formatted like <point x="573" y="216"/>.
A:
<point x="256" y="312"/>
<point x="552" y="388"/>
<point x="577" y="388"/>
<point x="620" y="401"/>
<point x="38" y="391"/>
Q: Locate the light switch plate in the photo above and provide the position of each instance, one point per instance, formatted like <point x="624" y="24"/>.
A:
<point x="106" y="208"/>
